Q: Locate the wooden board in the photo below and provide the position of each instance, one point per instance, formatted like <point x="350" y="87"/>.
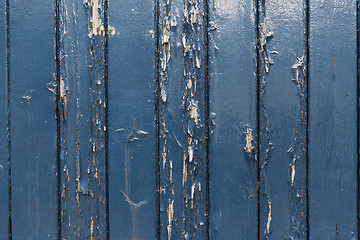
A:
<point x="283" y="111"/>
<point x="132" y="167"/>
<point x="81" y="89"/>
<point x="233" y="111"/>
<point x="33" y="120"/>
<point x="182" y="119"/>
<point x="333" y="120"/>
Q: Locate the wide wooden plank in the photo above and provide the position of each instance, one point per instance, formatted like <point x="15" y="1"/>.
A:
<point x="4" y="167"/>
<point x="233" y="109"/>
<point x="33" y="123"/>
<point x="132" y="171"/>
<point x="333" y="120"/>
<point x="282" y="119"/>
<point x="82" y="119"/>
<point x="182" y="155"/>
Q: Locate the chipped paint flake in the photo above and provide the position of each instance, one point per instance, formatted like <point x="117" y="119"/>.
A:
<point x="194" y="111"/>
<point x="96" y="26"/>
<point x="249" y="138"/>
<point x="170" y="213"/>
<point x="267" y="230"/>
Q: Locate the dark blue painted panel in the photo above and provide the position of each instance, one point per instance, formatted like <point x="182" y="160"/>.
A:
<point x="4" y="167"/>
<point x="333" y="120"/>
<point x="33" y="124"/>
<point x="82" y="119"/>
<point x="233" y="109"/>
<point x="283" y="120"/>
<point x="132" y="185"/>
<point x="182" y="156"/>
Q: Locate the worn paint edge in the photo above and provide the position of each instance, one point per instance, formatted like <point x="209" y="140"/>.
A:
<point x="207" y="119"/>
<point x="7" y="16"/>
<point x="258" y="113"/>
<point x="157" y="115"/>
<point x="106" y="86"/>
<point x="57" y="112"/>
<point x="307" y="97"/>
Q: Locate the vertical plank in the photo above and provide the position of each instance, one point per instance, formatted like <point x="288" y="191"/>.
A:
<point x="282" y="119"/>
<point x="182" y="157"/>
<point x="132" y="171"/>
<point x="233" y="109"/>
<point x="333" y="120"/>
<point x="82" y="119"/>
<point x="4" y="167"/>
<point x="33" y="124"/>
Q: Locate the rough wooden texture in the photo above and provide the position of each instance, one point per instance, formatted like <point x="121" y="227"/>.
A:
<point x="233" y="110"/>
<point x="33" y="123"/>
<point x="182" y="157"/>
<point x="82" y="119"/>
<point x="132" y="171"/>
<point x="282" y="120"/>
<point x="333" y="120"/>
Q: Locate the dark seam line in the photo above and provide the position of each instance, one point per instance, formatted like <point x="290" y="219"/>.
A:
<point x="207" y="127"/>
<point x="58" y="146"/>
<point x="258" y="124"/>
<point x="307" y="52"/>
<point x="7" y="6"/>
<point x="106" y="119"/>
<point x="357" y="120"/>
<point x="157" y="115"/>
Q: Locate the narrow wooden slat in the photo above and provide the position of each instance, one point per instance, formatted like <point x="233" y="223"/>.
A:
<point x="233" y="109"/>
<point x="4" y="167"/>
<point x="82" y="119"/>
<point x="333" y="120"/>
<point x="33" y="123"/>
<point x="182" y="157"/>
<point x="132" y="171"/>
<point x="283" y="120"/>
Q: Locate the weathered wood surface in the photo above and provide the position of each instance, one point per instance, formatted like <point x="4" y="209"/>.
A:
<point x="132" y="166"/>
<point x="81" y="89"/>
<point x="182" y="119"/>
<point x="233" y="114"/>
<point x="333" y="126"/>
<point x="283" y="111"/>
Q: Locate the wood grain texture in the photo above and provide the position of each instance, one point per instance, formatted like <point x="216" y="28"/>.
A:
<point x="132" y="186"/>
<point x="283" y="120"/>
<point x="33" y="123"/>
<point x="233" y="110"/>
<point x="333" y="120"/>
<point x="82" y="119"/>
<point x="182" y="157"/>
<point x="4" y="167"/>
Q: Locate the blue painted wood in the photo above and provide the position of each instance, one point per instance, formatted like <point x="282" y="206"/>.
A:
<point x="182" y="156"/>
<point x="233" y="110"/>
<point x="283" y="120"/>
<point x="132" y="171"/>
<point x="82" y="119"/>
<point x="33" y="123"/>
<point x="333" y="120"/>
<point x="4" y="167"/>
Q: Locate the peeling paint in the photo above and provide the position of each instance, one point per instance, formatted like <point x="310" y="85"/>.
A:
<point x="249" y="138"/>
<point x="96" y="26"/>
<point x="194" y="111"/>
<point x="267" y="230"/>
<point x="170" y="213"/>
